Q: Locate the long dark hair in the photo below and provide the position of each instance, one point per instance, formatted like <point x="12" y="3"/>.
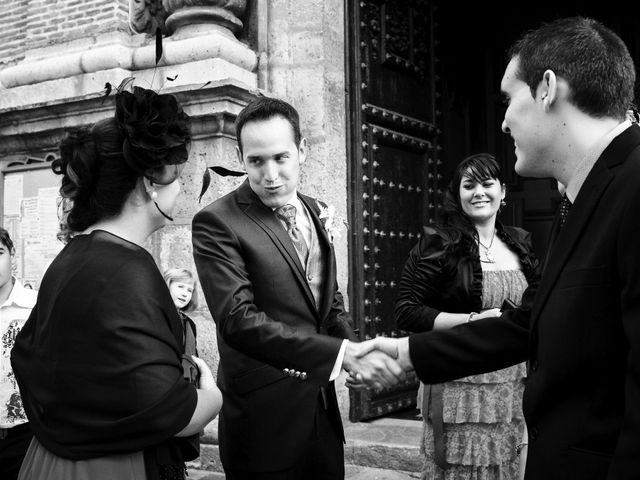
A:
<point x="453" y="221"/>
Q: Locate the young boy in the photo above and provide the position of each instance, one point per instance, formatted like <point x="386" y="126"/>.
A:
<point x="16" y="303"/>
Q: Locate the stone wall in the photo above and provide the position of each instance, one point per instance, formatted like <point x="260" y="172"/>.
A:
<point x="31" y="24"/>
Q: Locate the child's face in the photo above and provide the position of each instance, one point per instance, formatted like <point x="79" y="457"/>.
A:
<point x="6" y="256"/>
<point x="181" y="292"/>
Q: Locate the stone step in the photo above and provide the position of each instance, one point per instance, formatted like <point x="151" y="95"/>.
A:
<point x="383" y="449"/>
<point x="352" y="472"/>
<point x="386" y="443"/>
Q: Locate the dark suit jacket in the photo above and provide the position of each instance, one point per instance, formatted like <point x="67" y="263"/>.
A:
<point x="581" y="334"/>
<point x="267" y="321"/>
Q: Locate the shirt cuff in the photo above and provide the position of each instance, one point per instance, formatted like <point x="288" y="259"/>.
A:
<point x="337" y="367"/>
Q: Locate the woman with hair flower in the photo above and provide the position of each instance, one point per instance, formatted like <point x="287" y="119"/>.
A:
<point x="462" y="271"/>
<point x="99" y="360"/>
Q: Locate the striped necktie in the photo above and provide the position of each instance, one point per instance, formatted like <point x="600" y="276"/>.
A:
<point x="287" y="213"/>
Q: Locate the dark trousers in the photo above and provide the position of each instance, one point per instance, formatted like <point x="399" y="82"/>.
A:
<point x="14" y="443"/>
<point x="324" y="459"/>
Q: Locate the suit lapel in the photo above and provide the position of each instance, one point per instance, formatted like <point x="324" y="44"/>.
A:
<point x="329" y="266"/>
<point x="264" y="217"/>
<point x="581" y="212"/>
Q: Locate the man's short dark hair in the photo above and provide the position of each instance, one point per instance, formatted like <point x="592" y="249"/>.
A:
<point x="5" y="239"/>
<point x="592" y="59"/>
<point x="264" y="108"/>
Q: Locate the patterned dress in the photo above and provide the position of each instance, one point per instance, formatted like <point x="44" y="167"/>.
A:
<point x="482" y="414"/>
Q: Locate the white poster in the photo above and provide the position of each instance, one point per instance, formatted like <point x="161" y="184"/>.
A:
<point x="13" y="191"/>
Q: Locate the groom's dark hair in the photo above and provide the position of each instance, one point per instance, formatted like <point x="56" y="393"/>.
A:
<point x="264" y="108"/>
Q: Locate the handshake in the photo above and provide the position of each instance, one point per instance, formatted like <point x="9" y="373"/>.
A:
<point x="378" y="363"/>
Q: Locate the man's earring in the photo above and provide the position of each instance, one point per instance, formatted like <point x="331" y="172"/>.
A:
<point x="503" y="203"/>
<point x="154" y="195"/>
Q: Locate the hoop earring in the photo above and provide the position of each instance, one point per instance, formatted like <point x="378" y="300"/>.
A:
<point x="502" y="205"/>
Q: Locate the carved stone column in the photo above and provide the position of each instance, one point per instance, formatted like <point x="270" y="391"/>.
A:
<point x="224" y="13"/>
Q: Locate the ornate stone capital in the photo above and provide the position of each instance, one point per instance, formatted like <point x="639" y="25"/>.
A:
<point x="147" y="15"/>
<point x="225" y="13"/>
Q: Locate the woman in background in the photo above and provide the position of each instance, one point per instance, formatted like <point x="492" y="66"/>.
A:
<point x="99" y="360"/>
<point x="464" y="270"/>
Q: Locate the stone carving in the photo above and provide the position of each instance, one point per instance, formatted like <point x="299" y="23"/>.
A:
<point x="147" y="15"/>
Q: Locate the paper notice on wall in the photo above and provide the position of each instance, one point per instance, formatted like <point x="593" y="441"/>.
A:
<point x="13" y="191"/>
<point x="30" y="224"/>
<point x="34" y="260"/>
<point x="48" y="213"/>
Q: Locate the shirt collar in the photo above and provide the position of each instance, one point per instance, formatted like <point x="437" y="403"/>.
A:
<point x="295" y="201"/>
<point x="589" y="160"/>
<point x="20" y="296"/>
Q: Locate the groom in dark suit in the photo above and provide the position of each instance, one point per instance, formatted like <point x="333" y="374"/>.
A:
<point x="265" y="259"/>
<point x="568" y="86"/>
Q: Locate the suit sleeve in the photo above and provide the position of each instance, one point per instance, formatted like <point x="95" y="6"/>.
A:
<point x="472" y="348"/>
<point x="339" y="322"/>
<point x="229" y="292"/>
<point x="626" y="453"/>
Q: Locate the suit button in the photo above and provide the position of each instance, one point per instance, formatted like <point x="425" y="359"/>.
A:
<point x="297" y="374"/>
<point x="303" y="376"/>
<point x="292" y="372"/>
<point x="286" y="371"/>
<point x="309" y="277"/>
<point x="533" y="433"/>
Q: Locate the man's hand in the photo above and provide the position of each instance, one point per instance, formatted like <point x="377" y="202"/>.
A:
<point x="490" y="313"/>
<point x="384" y="362"/>
<point x="370" y="368"/>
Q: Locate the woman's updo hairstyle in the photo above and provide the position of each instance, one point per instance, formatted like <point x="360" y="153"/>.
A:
<point x="101" y="164"/>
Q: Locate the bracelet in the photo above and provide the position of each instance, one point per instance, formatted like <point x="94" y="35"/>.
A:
<point x="471" y="315"/>
<point x="520" y="447"/>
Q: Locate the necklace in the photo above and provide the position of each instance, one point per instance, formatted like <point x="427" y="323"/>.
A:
<point x="488" y="257"/>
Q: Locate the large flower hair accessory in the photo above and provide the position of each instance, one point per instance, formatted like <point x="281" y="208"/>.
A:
<point x="156" y="130"/>
<point x="332" y="223"/>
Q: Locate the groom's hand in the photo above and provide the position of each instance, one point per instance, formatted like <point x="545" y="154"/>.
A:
<point x="397" y="348"/>
<point x="370" y="368"/>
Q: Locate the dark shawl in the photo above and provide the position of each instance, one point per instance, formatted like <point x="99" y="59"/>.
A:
<point x="99" y="360"/>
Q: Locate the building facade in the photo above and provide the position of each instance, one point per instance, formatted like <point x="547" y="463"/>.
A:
<point x="392" y="94"/>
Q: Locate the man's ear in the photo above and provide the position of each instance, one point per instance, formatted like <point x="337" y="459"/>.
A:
<point x="303" y="149"/>
<point x="239" y="155"/>
<point x="548" y="89"/>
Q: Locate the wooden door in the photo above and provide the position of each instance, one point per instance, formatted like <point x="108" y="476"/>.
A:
<point x="393" y="172"/>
